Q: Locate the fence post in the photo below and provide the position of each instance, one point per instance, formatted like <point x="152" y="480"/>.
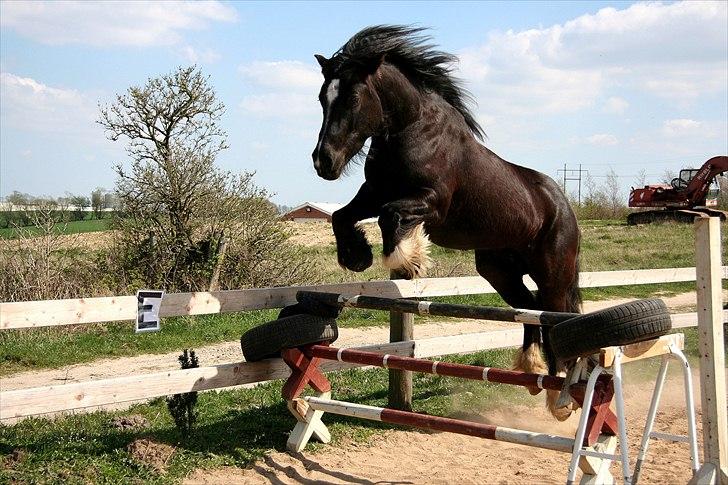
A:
<point x="711" y="345"/>
<point x="401" y="328"/>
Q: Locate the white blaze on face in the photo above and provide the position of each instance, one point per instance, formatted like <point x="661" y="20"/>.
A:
<point x="331" y="94"/>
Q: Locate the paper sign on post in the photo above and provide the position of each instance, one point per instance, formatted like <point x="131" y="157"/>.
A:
<point x="148" y="303"/>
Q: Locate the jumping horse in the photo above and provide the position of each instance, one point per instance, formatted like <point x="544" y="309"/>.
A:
<point x="427" y="177"/>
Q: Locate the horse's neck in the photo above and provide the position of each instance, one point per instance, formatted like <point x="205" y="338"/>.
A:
<point x="400" y="99"/>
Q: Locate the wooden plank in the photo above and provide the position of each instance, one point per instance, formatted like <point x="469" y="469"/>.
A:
<point x="711" y="343"/>
<point x="24" y="314"/>
<point x="468" y="343"/>
<point x="48" y="399"/>
<point x="641" y="350"/>
<point x="107" y="309"/>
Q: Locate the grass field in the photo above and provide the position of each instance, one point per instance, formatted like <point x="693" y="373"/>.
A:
<point x="74" y="227"/>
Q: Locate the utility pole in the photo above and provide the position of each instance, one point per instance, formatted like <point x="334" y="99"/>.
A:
<point x="573" y="174"/>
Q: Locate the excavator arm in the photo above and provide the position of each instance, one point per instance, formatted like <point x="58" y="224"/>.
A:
<point x="698" y="187"/>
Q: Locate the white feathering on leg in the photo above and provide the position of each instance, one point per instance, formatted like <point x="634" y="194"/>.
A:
<point x="412" y="254"/>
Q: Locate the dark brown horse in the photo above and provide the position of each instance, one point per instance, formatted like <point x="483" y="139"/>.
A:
<point x="427" y="174"/>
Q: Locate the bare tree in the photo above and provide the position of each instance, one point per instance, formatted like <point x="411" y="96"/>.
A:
<point x="723" y="194"/>
<point x="19" y="199"/>
<point x="97" y="201"/>
<point x="667" y="176"/>
<point x="179" y="208"/>
<point x="614" y="193"/>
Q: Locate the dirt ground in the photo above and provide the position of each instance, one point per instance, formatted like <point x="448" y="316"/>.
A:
<point x="319" y="233"/>
<point x="416" y="457"/>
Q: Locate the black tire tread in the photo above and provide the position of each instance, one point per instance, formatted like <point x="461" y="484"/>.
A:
<point x="619" y="325"/>
<point x="267" y="340"/>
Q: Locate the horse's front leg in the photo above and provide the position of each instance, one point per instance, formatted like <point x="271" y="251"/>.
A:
<point x="405" y="242"/>
<point x="352" y="248"/>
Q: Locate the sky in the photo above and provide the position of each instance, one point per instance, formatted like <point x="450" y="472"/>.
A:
<point x="622" y="86"/>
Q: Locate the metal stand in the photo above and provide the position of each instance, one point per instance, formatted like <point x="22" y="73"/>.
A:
<point x="612" y="358"/>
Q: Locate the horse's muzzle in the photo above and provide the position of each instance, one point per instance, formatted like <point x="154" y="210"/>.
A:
<point x="324" y="165"/>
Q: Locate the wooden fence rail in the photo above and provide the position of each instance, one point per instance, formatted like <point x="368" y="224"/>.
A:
<point x="107" y="309"/>
<point x="64" y="397"/>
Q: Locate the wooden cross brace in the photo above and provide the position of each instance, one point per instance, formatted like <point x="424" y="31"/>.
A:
<point x="304" y="371"/>
<point x="602" y="419"/>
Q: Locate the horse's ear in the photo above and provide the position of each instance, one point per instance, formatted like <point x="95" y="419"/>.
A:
<point x="323" y="62"/>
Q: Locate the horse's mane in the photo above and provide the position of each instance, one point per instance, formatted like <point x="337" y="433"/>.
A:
<point x="425" y="67"/>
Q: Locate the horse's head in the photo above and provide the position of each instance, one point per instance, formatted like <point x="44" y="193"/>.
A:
<point x="352" y="113"/>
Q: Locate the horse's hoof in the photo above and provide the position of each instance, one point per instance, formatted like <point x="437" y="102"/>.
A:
<point x="561" y="414"/>
<point x="356" y="264"/>
<point x="358" y="260"/>
<point x="355" y="253"/>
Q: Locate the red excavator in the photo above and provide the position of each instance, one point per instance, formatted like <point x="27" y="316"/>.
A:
<point x="686" y="197"/>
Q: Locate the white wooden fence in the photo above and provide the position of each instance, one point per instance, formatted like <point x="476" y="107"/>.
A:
<point x="114" y="308"/>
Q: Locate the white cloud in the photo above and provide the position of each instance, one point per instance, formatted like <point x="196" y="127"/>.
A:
<point x="615" y="105"/>
<point x="199" y="56"/>
<point x="681" y="126"/>
<point x="281" y="105"/>
<point x="602" y="140"/>
<point x="289" y="89"/>
<point x="31" y="105"/>
<point x="111" y="23"/>
<point x="507" y="76"/>
<point x="285" y="75"/>
<point x="677" y="51"/>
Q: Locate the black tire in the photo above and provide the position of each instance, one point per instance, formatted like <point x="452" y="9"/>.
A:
<point x="310" y="306"/>
<point x="316" y="307"/>
<point x="619" y="325"/>
<point x="267" y="340"/>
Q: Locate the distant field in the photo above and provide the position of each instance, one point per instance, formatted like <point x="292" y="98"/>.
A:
<point x="605" y="246"/>
<point x="75" y="227"/>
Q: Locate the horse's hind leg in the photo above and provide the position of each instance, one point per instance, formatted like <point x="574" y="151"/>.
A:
<point x="556" y="274"/>
<point x="504" y="270"/>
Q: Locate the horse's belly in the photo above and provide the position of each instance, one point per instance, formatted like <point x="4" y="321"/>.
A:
<point x="465" y="239"/>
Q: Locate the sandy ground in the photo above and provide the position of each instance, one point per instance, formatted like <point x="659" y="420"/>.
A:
<point x="86" y="240"/>
<point x="416" y="457"/>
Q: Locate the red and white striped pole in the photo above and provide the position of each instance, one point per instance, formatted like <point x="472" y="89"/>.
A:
<point x="472" y="372"/>
<point x="487" y="431"/>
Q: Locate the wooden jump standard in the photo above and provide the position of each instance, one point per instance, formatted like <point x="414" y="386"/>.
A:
<point x="592" y="449"/>
<point x="304" y="363"/>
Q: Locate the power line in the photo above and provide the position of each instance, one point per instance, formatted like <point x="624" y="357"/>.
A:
<point x="573" y="174"/>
